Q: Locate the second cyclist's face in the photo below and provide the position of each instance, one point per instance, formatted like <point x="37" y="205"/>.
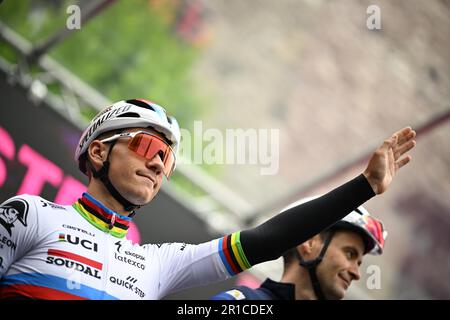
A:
<point x="341" y="263"/>
<point x="135" y="177"/>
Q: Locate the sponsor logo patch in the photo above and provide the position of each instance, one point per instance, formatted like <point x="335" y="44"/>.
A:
<point x="13" y="211"/>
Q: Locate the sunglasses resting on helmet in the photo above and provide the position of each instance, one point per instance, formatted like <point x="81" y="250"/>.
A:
<point x="148" y="145"/>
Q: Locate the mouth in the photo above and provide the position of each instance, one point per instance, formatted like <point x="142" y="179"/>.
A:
<point x="346" y="282"/>
<point x="149" y="177"/>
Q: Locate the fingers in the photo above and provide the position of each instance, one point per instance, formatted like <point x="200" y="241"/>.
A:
<point x="403" y="132"/>
<point x="400" y="142"/>
<point x="405" y="135"/>
<point x="388" y="143"/>
<point x="400" y="163"/>
<point x="400" y="150"/>
<point x="408" y="137"/>
<point x="404" y="143"/>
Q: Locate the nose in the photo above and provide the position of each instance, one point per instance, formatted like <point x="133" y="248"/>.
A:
<point x="156" y="164"/>
<point x="354" y="272"/>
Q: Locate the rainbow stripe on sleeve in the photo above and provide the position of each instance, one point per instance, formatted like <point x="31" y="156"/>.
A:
<point x="232" y="254"/>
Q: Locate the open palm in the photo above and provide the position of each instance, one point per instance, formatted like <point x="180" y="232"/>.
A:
<point x="387" y="159"/>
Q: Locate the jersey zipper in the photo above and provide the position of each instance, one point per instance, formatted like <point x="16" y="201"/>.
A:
<point x="111" y="223"/>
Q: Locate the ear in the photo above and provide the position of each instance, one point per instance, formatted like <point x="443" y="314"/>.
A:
<point x="97" y="153"/>
<point x="305" y="248"/>
<point x="308" y="249"/>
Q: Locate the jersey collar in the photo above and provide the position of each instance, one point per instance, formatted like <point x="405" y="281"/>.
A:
<point x="101" y="216"/>
<point x="281" y="290"/>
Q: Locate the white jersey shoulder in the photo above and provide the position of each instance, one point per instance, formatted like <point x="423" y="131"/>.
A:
<point x="51" y="251"/>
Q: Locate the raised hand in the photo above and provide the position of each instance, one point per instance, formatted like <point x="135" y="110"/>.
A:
<point x="387" y="159"/>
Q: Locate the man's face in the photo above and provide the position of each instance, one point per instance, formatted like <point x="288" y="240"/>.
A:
<point x="135" y="177"/>
<point x="340" y="265"/>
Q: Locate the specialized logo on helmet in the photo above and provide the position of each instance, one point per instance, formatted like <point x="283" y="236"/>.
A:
<point x="100" y="118"/>
<point x="12" y="211"/>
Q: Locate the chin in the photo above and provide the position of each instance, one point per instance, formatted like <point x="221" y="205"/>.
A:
<point x="340" y="294"/>
<point x="336" y="294"/>
<point x="146" y="200"/>
<point x="142" y="197"/>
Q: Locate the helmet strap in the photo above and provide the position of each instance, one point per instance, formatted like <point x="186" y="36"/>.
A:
<point x="102" y="174"/>
<point x="311" y="266"/>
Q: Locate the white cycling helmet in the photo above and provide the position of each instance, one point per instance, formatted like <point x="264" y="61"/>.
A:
<point x="129" y="114"/>
<point x="360" y="221"/>
<point x="371" y="229"/>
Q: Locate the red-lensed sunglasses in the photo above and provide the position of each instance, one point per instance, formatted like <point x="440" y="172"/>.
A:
<point x="148" y="146"/>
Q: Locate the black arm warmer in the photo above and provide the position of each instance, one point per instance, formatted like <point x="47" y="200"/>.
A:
<point x="288" y="229"/>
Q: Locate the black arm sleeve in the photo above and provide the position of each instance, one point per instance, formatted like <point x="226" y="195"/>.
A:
<point x="288" y="229"/>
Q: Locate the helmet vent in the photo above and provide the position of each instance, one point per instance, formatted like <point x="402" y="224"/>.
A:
<point x="129" y="115"/>
<point x="141" y="104"/>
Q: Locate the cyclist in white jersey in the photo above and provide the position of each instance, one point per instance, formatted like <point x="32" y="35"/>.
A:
<point x="49" y="251"/>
